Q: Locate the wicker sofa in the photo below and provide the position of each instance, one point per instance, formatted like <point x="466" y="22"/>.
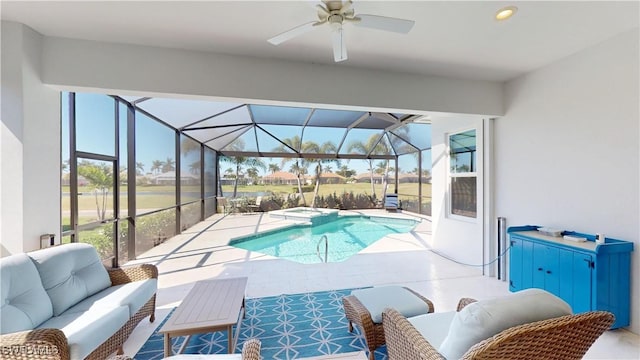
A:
<point x="62" y="303"/>
<point x="488" y="332"/>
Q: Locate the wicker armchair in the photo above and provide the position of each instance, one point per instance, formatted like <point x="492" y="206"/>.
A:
<point x="357" y="314"/>
<point x="562" y="338"/>
<point x="52" y="344"/>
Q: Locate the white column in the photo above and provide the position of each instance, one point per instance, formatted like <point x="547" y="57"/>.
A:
<point x="29" y="144"/>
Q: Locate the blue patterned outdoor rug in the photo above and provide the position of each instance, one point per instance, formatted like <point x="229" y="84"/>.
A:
<point x="289" y="327"/>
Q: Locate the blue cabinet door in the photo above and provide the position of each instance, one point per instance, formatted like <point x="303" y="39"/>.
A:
<point x="582" y="282"/>
<point x="515" y="264"/>
<point x="539" y="258"/>
<point x="551" y="270"/>
<point x="527" y="265"/>
<point x="520" y="264"/>
<point x="546" y="268"/>
<point x="575" y="273"/>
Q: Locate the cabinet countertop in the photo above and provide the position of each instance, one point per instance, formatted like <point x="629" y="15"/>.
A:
<point x="585" y="245"/>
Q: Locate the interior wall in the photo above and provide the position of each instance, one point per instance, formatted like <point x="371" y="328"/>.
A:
<point x="11" y="136"/>
<point x="567" y="150"/>
<point x="30" y="178"/>
<point x="459" y="239"/>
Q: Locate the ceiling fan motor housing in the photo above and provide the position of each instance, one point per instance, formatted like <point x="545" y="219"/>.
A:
<point x="335" y="19"/>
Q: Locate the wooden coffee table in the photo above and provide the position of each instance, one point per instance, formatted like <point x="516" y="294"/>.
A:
<point x="212" y="305"/>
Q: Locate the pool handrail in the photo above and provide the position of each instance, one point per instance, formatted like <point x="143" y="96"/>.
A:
<point x="326" y="248"/>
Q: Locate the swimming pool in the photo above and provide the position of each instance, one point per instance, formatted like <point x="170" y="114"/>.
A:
<point x="346" y="235"/>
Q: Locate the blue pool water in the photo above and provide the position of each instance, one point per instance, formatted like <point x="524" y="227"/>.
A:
<point x="347" y="235"/>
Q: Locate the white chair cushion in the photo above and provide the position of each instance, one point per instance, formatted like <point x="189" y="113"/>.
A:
<point x="433" y="327"/>
<point x="133" y="295"/>
<point x="483" y="319"/>
<point x="70" y="273"/>
<point x="24" y="302"/>
<point x="87" y="330"/>
<point x="378" y="298"/>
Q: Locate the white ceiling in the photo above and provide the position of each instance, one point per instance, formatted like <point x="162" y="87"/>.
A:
<point x="450" y="38"/>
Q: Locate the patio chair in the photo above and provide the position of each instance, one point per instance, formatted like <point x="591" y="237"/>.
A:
<point x="256" y="207"/>
<point x="222" y="201"/>
<point x="364" y="308"/>
<point x="391" y="202"/>
<point x="532" y="325"/>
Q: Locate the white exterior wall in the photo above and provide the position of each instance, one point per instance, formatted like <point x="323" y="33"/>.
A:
<point x="459" y="239"/>
<point x="567" y="151"/>
<point x="30" y="157"/>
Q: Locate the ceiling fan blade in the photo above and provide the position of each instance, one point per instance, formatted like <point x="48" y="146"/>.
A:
<point x="346" y="7"/>
<point x="384" y="23"/>
<point x="339" y="45"/>
<point x="290" y="34"/>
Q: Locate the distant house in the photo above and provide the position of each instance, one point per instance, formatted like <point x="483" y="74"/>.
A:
<point x="281" y="178"/>
<point x="408" y="178"/>
<point x="66" y="180"/>
<point x="169" y="178"/>
<point x="366" y="178"/>
<point x="332" y="178"/>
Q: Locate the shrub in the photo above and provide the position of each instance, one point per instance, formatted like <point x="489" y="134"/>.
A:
<point x="305" y="188"/>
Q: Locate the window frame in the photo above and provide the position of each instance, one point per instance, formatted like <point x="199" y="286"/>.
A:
<point x="452" y="175"/>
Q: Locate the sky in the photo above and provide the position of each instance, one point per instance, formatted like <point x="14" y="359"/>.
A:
<point x="95" y="126"/>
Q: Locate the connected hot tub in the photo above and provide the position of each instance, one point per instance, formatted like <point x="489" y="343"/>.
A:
<point x="315" y="216"/>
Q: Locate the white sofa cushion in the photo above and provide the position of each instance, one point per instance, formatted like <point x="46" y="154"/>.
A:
<point x="433" y="326"/>
<point x="25" y="303"/>
<point x="481" y="320"/>
<point x="376" y="299"/>
<point x="70" y="273"/>
<point x="85" y="331"/>
<point x="133" y="295"/>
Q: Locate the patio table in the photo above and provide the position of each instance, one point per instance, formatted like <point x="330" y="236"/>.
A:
<point x="212" y="305"/>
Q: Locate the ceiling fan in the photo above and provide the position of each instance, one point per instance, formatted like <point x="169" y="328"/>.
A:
<point x="336" y="13"/>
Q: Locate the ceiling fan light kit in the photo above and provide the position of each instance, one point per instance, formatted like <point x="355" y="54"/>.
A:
<point x="336" y="14"/>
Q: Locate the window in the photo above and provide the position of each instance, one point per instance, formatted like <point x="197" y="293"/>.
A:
<point x="462" y="174"/>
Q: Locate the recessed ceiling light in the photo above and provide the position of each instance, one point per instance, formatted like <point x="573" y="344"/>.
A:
<point x="506" y="12"/>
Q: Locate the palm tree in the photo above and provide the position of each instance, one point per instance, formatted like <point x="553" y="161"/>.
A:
<point x="274" y="168"/>
<point x="188" y="145"/>
<point x="156" y="166"/>
<point x="194" y="167"/>
<point x="239" y="162"/>
<point x="139" y="168"/>
<point x="313" y="148"/>
<point x="345" y="171"/>
<point x="169" y="165"/>
<point x="253" y="174"/>
<point x="382" y="168"/>
<point x="365" y="148"/>
<point x="299" y="167"/>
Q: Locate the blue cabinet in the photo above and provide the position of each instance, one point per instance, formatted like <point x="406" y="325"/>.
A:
<point x="587" y="275"/>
